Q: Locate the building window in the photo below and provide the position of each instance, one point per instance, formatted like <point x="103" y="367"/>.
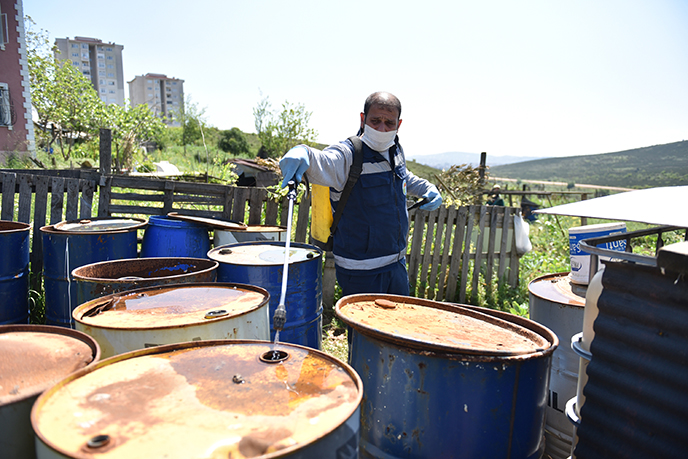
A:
<point x="101" y="81"/>
<point x="84" y="55"/>
<point x="103" y="91"/>
<point x="7" y="115"/>
<point x="108" y="49"/>
<point x="101" y="56"/>
<point x="111" y="75"/>
<point x="110" y="66"/>
<point x="103" y="98"/>
<point x="112" y="91"/>
<point x="75" y="54"/>
<point x="109" y="58"/>
<point x="87" y="72"/>
<point x="101" y="65"/>
<point x="111" y="83"/>
<point x="101" y="72"/>
<point x="84" y="46"/>
<point x="84" y="64"/>
<point x="75" y="45"/>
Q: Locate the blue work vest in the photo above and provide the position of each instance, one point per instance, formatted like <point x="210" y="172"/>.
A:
<point x="372" y="232"/>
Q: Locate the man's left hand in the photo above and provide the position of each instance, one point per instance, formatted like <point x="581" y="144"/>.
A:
<point x="434" y="197"/>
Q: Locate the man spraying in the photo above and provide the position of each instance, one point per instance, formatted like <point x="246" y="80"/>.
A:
<point x="369" y="243"/>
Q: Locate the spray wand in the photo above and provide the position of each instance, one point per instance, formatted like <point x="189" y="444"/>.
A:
<point x="279" y="319"/>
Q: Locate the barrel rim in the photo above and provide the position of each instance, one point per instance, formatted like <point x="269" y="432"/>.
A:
<point x="54" y="329"/>
<point x="302" y="245"/>
<point x="485" y="314"/>
<point x="165" y="348"/>
<point x="80" y="278"/>
<point x="91" y="304"/>
<point x="552" y="276"/>
<point x="50" y="229"/>
<point x="20" y="226"/>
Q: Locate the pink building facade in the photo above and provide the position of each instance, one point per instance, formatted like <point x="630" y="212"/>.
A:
<point x="16" y="125"/>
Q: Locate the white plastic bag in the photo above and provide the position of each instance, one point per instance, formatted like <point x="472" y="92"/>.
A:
<point x="521" y="232"/>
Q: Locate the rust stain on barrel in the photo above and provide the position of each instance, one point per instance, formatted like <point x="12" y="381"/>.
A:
<point x="183" y="403"/>
<point x="458" y="328"/>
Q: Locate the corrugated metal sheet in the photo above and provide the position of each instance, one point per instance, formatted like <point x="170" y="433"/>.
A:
<point x="637" y="394"/>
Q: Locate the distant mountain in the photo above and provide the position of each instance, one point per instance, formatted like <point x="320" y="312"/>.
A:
<point x="655" y="166"/>
<point x="455" y="158"/>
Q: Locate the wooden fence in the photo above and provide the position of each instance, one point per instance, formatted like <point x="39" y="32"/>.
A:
<point x="453" y="252"/>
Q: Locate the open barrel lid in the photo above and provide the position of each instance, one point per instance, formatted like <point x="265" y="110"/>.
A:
<point x="99" y="225"/>
<point x="172" y="305"/>
<point x="214" y="399"/>
<point x="264" y="253"/>
<point x="429" y="325"/>
<point x="212" y="222"/>
<point x="34" y="357"/>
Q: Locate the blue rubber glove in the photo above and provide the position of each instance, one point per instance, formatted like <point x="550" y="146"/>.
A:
<point x="435" y="198"/>
<point x="293" y="164"/>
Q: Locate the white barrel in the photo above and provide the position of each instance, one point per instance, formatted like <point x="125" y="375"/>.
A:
<point x="32" y="359"/>
<point x="580" y="260"/>
<point x="558" y="304"/>
<point x="251" y="233"/>
<point x="147" y="317"/>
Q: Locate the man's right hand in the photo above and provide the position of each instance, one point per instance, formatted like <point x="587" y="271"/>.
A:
<point x="294" y="164"/>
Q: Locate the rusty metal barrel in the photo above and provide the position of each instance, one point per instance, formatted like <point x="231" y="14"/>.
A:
<point x="32" y="359"/>
<point x="108" y="277"/>
<point x="262" y="263"/>
<point x="166" y="314"/>
<point x="444" y="380"/>
<point x="14" y="272"/>
<point x="214" y="399"/>
<point x="68" y="245"/>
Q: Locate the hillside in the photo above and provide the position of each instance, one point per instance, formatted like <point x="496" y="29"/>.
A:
<point x="658" y="165"/>
<point x="455" y="158"/>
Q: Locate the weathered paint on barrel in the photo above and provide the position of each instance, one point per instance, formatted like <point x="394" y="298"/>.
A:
<point x="152" y="316"/>
<point x="559" y="304"/>
<point x="169" y="237"/>
<point x="32" y="359"/>
<point x="69" y="245"/>
<point x="213" y="399"/>
<point x="251" y="233"/>
<point x="108" y="277"/>
<point x="262" y="263"/>
<point x="14" y="272"/>
<point x="444" y="380"/>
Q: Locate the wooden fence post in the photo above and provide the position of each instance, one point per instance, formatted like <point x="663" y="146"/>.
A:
<point x="105" y="151"/>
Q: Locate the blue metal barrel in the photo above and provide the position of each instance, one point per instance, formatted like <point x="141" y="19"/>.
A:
<point x="443" y="380"/>
<point x="69" y="245"/>
<point x="261" y="263"/>
<point x="14" y="272"/>
<point x="108" y="277"/>
<point x="169" y="237"/>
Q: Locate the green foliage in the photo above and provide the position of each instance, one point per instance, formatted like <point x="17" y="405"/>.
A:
<point x="233" y="141"/>
<point x="655" y="166"/>
<point x="192" y="122"/>
<point x="461" y="185"/>
<point x="278" y="132"/>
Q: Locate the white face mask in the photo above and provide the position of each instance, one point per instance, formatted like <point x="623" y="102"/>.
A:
<point x="378" y="141"/>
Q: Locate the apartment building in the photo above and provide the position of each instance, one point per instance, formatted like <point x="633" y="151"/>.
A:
<point x="163" y="95"/>
<point x="100" y="62"/>
<point x="16" y="125"/>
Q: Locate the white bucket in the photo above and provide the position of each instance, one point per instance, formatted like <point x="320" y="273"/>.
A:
<point x="580" y="260"/>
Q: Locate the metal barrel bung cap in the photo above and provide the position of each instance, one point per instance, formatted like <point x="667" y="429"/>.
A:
<point x="214" y="399"/>
<point x="443" y="327"/>
<point x="34" y="357"/>
<point x="262" y="254"/>
<point x="99" y="225"/>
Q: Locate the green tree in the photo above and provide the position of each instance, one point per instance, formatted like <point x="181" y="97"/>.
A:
<point x="130" y="127"/>
<point x="67" y="105"/>
<point x="192" y="121"/>
<point x="233" y="141"/>
<point x="278" y="132"/>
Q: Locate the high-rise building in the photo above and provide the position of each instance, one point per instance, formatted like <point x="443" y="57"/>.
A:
<point x="16" y="126"/>
<point x="100" y="62"/>
<point x="163" y="95"/>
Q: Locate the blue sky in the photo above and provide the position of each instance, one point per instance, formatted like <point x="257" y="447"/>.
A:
<point x="526" y="78"/>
